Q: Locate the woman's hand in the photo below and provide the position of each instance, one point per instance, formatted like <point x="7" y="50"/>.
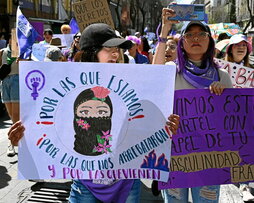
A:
<point x="173" y="123"/>
<point x="16" y="132"/>
<point x="216" y="88"/>
<point x="166" y="23"/>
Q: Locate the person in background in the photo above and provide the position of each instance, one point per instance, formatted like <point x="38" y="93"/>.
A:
<point x="99" y="43"/>
<point x="133" y="51"/>
<point x="10" y="90"/>
<point x="238" y="52"/>
<point x="145" y="49"/>
<point x="137" y="34"/>
<point x="171" y="49"/>
<point x="71" y="52"/>
<point x="219" y="54"/>
<point x="57" y="42"/>
<point x="53" y="53"/>
<point x="222" y="36"/>
<point x="195" y="54"/>
<point x="65" y="29"/>
<point x="47" y="35"/>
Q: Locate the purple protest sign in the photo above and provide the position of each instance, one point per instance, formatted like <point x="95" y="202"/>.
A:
<point x="214" y="144"/>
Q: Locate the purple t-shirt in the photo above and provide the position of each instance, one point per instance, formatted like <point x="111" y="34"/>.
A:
<point x="116" y="192"/>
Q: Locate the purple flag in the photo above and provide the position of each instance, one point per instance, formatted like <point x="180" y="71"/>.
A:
<point x="74" y="26"/>
<point x="26" y="35"/>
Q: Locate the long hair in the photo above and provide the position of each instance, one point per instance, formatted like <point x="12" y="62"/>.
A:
<point x="86" y="139"/>
<point x="207" y="57"/>
<point x="87" y="95"/>
<point x="90" y="55"/>
<point x="73" y="50"/>
<point x="229" y="57"/>
<point x="146" y="46"/>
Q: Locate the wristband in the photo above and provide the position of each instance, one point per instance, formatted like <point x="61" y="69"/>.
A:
<point x="162" y="40"/>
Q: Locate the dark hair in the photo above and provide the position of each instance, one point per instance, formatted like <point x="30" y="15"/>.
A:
<point x="222" y="36"/>
<point x="73" y="51"/>
<point x="87" y="95"/>
<point x="126" y="58"/>
<point x="49" y="31"/>
<point x="208" y="56"/>
<point x="229" y="57"/>
<point x="86" y="140"/>
<point x="9" y="35"/>
<point x="146" y="46"/>
<point x="90" y="55"/>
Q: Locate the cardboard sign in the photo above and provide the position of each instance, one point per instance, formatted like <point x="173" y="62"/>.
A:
<point x="215" y="139"/>
<point x="95" y="120"/>
<point x="14" y="43"/>
<point x="92" y="11"/>
<point x="241" y="76"/>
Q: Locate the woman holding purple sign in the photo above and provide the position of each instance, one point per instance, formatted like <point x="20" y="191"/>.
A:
<point x="238" y="52"/>
<point x="196" y="70"/>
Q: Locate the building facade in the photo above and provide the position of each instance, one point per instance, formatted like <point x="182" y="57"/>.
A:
<point x="127" y="14"/>
<point x="41" y="13"/>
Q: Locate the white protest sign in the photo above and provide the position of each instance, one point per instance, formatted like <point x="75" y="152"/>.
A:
<point x="66" y="39"/>
<point x="38" y="52"/>
<point x="95" y="120"/>
<point x="241" y="76"/>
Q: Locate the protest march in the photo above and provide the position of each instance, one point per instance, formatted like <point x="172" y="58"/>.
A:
<point x="113" y="109"/>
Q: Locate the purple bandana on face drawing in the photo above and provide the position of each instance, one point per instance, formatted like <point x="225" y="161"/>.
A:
<point x="35" y="81"/>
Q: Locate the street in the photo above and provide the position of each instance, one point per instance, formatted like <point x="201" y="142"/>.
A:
<point x="17" y="191"/>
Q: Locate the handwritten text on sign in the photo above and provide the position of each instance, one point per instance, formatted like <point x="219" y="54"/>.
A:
<point x="215" y="139"/>
<point x="92" y="11"/>
<point x="95" y="121"/>
<point x="241" y="76"/>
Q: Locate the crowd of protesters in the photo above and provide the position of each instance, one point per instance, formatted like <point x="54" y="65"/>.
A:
<point x="193" y="51"/>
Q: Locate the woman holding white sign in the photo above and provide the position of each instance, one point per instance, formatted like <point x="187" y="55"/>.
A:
<point x="196" y="70"/>
<point x="98" y="43"/>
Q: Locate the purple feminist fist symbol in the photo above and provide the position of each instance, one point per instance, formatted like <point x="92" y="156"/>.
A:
<point x="35" y="81"/>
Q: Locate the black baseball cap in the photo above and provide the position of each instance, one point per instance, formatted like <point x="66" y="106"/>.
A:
<point x="102" y="35"/>
<point x="187" y="25"/>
